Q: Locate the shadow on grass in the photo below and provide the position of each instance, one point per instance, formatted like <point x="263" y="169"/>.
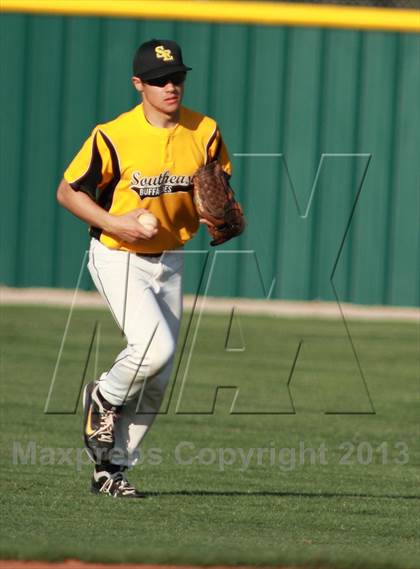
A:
<point x="263" y="493"/>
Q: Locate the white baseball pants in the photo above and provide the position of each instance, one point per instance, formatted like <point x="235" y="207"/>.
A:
<point x="145" y="297"/>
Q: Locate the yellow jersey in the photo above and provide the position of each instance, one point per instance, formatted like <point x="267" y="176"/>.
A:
<point x="128" y="163"/>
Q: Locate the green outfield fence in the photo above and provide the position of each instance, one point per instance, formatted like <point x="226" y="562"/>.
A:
<point x="299" y="92"/>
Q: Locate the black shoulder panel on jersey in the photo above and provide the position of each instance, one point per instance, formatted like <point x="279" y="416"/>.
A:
<point x="107" y="194"/>
<point x="92" y="177"/>
<point x="218" y="149"/>
<point x="210" y="142"/>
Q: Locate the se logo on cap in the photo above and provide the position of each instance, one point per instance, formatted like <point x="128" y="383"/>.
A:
<point x="162" y="53"/>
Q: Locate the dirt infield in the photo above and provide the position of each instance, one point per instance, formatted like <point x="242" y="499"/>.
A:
<point x="316" y="309"/>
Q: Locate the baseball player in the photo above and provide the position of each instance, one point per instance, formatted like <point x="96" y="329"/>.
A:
<point x="142" y="161"/>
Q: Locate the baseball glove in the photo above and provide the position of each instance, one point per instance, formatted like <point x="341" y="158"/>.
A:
<point x="216" y="204"/>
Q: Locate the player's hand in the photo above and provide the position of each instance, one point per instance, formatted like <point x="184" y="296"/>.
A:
<point x="127" y="228"/>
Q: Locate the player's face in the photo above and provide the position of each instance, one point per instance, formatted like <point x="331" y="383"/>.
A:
<point x="163" y="94"/>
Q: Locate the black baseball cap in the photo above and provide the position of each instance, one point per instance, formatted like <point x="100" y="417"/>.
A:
<point x="157" y="58"/>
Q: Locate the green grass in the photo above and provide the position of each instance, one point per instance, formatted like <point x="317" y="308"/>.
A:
<point x="341" y="513"/>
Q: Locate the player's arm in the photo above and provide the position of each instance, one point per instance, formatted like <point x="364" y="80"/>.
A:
<point x="216" y="150"/>
<point x="124" y="227"/>
<point x="90" y="171"/>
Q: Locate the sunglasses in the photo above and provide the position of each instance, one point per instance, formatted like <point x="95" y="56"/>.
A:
<point x="175" y="78"/>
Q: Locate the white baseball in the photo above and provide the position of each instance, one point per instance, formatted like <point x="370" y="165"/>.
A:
<point x="148" y="220"/>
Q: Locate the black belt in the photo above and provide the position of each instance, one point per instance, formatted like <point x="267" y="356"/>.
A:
<point x="149" y="254"/>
